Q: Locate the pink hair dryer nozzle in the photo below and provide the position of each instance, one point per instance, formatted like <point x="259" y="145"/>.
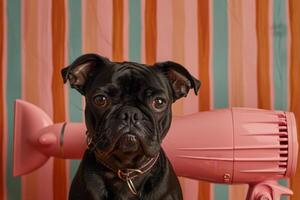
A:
<point x="238" y="145"/>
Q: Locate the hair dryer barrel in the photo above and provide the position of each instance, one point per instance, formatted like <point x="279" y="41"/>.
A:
<point x="227" y="146"/>
<point x="238" y="145"/>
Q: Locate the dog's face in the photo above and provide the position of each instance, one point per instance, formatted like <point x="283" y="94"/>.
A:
<point x="128" y="105"/>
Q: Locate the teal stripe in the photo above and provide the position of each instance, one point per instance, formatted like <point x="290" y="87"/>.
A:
<point x="280" y="61"/>
<point x="220" y="54"/>
<point x="280" y="54"/>
<point x="135" y="27"/>
<point x="75" y="39"/>
<point x="220" y="79"/>
<point x="13" y="88"/>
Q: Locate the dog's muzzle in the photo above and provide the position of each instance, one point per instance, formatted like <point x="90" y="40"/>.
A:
<point x="128" y="143"/>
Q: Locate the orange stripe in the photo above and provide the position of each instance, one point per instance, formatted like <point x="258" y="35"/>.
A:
<point x="204" y="49"/>
<point x="204" y="57"/>
<point x="118" y="15"/>
<point x="30" y="51"/>
<point x="1" y="98"/>
<point x="58" y="52"/>
<point x="263" y="59"/>
<point x="150" y="31"/>
<point x="235" y="52"/>
<point x="294" y="10"/>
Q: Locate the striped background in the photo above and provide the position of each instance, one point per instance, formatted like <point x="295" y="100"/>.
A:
<point x="246" y="53"/>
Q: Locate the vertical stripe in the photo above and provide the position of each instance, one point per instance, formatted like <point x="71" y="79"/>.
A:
<point x="44" y="63"/>
<point x="178" y="44"/>
<point x="294" y="7"/>
<point x="2" y="129"/>
<point x="4" y="101"/>
<point x="164" y="30"/>
<point x="143" y="31"/>
<point x="280" y="54"/>
<point x="271" y="50"/>
<point x="117" y="41"/>
<point x="204" y="40"/>
<point x="203" y="50"/>
<point x="288" y="52"/>
<point x="220" y="53"/>
<point x="190" y="104"/>
<point x="191" y="52"/>
<point x="244" y="60"/>
<point x="135" y="30"/>
<point x="75" y="38"/>
<point x="90" y="26"/>
<point x="280" y="59"/>
<point x="126" y="30"/>
<point x="150" y="31"/>
<point x="178" y="55"/>
<point x="58" y="41"/>
<point x="220" y="69"/>
<point x="13" y="87"/>
<point x="249" y="51"/>
<point x="44" y="175"/>
<point x="29" y="50"/>
<point x="29" y="29"/>
<point x="235" y="19"/>
<point x="97" y="27"/>
<point x="263" y="62"/>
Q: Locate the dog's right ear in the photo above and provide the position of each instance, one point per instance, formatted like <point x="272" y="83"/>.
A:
<point x="82" y="69"/>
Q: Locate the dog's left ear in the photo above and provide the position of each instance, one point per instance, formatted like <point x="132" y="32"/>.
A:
<point x="179" y="77"/>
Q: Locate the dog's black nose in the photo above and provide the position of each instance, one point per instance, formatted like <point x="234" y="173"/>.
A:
<point x="130" y="114"/>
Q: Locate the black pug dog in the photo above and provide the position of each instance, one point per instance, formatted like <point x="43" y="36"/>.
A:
<point x="127" y="114"/>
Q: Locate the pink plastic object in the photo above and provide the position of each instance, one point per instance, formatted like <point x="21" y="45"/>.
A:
<point x="238" y="145"/>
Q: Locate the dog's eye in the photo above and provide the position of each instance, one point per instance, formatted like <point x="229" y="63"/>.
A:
<point x="159" y="104"/>
<point x="101" y="100"/>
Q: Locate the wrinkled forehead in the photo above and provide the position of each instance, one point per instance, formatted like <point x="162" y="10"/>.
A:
<point x="135" y="77"/>
<point x="131" y="78"/>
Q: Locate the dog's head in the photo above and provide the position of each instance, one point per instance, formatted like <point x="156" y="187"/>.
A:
<point x="128" y="105"/>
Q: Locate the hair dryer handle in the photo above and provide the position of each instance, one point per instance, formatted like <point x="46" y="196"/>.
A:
<point x="267" y="190"/>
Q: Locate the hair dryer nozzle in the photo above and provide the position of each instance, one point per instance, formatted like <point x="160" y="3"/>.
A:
<point x="28" y="121"/>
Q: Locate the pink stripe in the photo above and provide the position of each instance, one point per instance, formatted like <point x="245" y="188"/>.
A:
<point x="143" y="51"/>
<point x="190" y="104"/>
<point x="271" y="54"/>
<point x="104" y="19"/>
<point x="164" y="30"/>
<point x="126" y="30"/>
<point x="44" y="174"/>
<point x="249" y="53"/>
<point x="97" y="27"/>
<point x="191" y="55"/>
<point x="29" y="84"/>
<point x="5" y="121"/>
<point x="45" y="54"/>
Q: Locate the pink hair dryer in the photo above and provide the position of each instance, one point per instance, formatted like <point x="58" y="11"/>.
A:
<point x="231" y="146"/>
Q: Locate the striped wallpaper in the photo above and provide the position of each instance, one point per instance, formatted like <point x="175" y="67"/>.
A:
<point x="246" y="53"/>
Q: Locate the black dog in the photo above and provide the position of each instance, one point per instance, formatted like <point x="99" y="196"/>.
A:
<point x="128" y="113"/>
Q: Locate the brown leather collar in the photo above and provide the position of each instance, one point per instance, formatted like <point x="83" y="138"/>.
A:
<point x="128" y="174"/>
